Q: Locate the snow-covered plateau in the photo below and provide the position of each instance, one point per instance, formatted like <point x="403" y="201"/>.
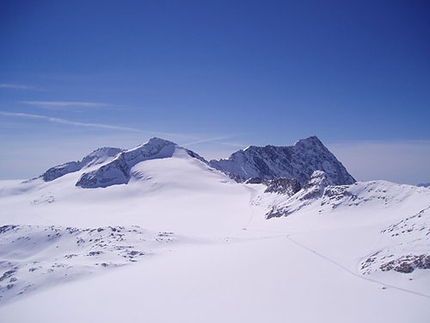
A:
<point x="158" y="234"/>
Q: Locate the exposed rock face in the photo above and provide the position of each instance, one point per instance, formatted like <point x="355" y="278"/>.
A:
<point x="315" y="185"/>
<point x="407" y="263"/>
<point x="98" y="156"/>
<point x="298" y="161"/>
<point x="283" y="186"/>
<point x="314" y="188"/>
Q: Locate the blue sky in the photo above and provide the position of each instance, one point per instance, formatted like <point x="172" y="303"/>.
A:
<point x="216" y="76"/>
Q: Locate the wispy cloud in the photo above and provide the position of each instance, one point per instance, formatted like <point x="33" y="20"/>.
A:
<point x="67" y="104"/>
<point x="184" y="139"/>
<point x="68" y="122"/>
<point x="15" y="86"/>
<point x="197" y="141"/>
<point x="210" y="146"/>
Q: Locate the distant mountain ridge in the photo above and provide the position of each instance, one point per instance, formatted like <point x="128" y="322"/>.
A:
<point x="282" y="168"/>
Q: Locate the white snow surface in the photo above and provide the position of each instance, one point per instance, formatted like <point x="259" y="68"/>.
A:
<point x="182" y="242"/>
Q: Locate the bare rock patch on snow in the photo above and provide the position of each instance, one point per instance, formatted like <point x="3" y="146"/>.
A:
<point x="409" y="247"/>
<point x="33" y="256"/>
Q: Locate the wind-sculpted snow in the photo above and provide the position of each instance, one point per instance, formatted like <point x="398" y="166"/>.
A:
<point x="298" y="161"/>
<point x="97" y="157"/>
<point x="35" y="256"/>
<point x="118" y="170"/>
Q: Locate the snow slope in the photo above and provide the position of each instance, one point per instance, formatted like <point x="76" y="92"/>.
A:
<point x="183" y="242"/>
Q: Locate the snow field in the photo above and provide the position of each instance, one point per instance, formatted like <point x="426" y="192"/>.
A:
<point x="226" y="263"/>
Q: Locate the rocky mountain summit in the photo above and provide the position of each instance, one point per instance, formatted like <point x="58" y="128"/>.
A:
<point x="273" y="162"/>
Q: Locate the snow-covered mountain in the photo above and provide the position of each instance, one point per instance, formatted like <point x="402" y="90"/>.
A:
<point x="114" y="165"/>
<point x="128" y="234"/>
<point x="119" y="170"/>
<point x="264" y="164"/>
<point x="298" y="161"/>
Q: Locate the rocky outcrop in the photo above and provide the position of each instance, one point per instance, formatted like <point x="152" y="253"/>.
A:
<point x="314" y="188"/>
<point x="283" y="186"/>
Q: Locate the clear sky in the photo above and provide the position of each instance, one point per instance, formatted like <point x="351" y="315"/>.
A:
<point x="215" y="77"/>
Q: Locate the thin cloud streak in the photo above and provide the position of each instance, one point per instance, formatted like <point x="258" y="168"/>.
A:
<point x="68" y="122"/>
<point x="16" y="86"/>
<point x="64" y="104"/>
<point x="206" y="140"/>
<point x="166" y="135"/>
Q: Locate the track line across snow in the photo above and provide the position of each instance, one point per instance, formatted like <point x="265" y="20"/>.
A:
<point x="352" y="272"/>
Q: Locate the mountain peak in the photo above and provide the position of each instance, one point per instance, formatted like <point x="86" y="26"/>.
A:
<point x="298" y="161"/>
<point x="118" y="170"/>
<point x="155" y="141"/>
<point x="312" y="140"/>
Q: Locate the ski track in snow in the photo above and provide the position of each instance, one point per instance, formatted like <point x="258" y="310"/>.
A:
<point x="352" y="272"/>
<point x="254" y="194"/>
<point x="288" y="236"/>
